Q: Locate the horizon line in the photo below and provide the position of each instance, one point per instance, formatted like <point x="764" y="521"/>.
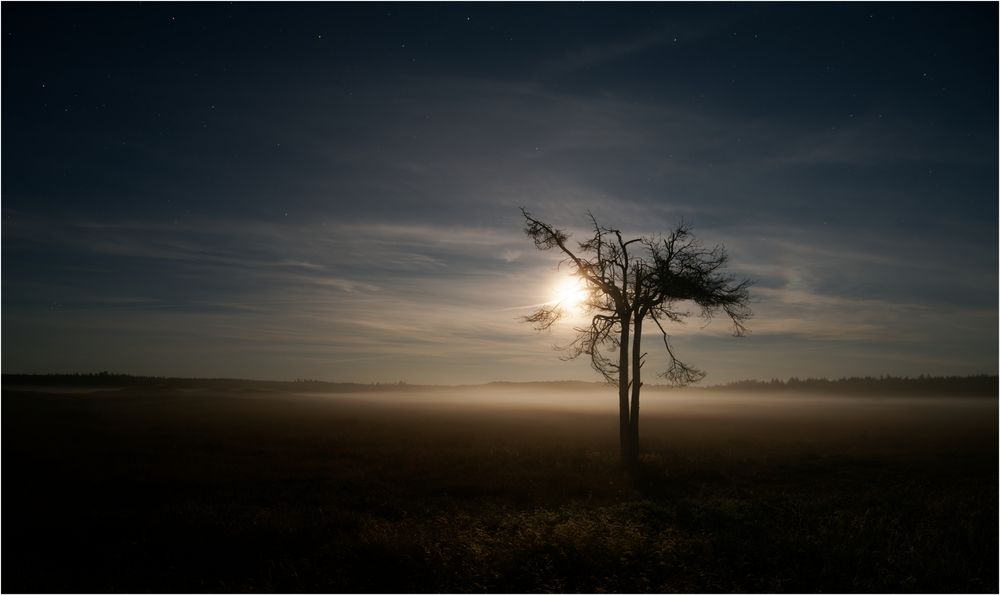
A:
<point x="771" y="381"/>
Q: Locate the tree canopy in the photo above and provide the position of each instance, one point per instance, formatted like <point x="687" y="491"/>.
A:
<point x="629" y="281"/>
<point x="646" y="277"/>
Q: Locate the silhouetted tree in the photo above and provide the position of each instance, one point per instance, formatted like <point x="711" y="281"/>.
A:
<point x="629" y="282"/>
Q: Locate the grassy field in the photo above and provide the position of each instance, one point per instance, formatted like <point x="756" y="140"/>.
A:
<point x="180" y="488"/>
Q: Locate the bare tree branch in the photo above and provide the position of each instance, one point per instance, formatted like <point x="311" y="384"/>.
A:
<point x="678" y="373"/>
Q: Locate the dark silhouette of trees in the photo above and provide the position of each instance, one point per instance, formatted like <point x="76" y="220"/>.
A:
<point x="629" y="282"/>
<point x="882" y="386"/>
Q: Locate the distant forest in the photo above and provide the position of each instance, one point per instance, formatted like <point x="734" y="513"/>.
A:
<point x="983" y="385"/>
<point x="115" y="380"/>
<point x="980" y="385"/>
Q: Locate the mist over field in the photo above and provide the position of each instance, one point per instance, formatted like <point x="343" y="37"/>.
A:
<point x="235" y="485"/>
<point x="715" y="418"/>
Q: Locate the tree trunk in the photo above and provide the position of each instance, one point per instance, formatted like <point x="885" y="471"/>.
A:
<point x="636" y="387"/>
<point x="624" y="435"/>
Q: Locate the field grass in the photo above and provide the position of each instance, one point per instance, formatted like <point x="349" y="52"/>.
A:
<point x="164" y="488"/>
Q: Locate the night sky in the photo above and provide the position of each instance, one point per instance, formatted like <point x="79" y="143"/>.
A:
<point x="331" y="191"/>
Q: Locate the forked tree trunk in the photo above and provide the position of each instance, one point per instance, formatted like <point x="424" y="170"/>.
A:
<point x="636" y="387"/>
<point x="624" y="435"/>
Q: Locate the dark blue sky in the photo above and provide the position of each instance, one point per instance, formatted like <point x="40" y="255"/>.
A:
<point x="331" y="190"/>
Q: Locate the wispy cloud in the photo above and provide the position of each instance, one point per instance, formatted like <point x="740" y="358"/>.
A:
<point x="391" y="240"/>
<point x="596" y="55"/>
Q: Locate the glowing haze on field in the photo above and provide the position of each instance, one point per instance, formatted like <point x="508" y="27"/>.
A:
<point x="331" y="191"/>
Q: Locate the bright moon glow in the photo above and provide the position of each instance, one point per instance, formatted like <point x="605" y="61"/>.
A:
<point x="571" y="293"/>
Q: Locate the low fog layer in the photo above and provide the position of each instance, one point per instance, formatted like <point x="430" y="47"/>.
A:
<point x="561" y="415"/>
<point x="700" y="402"/>
<point x="725" y="419"/>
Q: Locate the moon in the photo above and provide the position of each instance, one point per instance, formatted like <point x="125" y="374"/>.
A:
<point x="571" y="294"/>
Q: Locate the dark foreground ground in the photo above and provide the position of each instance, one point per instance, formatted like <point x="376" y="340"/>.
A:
<point x="186" y="489"/>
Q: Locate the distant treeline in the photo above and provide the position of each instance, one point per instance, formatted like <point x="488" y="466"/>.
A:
<point x="981" y="385"/>
<point x="115" y="380"/>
